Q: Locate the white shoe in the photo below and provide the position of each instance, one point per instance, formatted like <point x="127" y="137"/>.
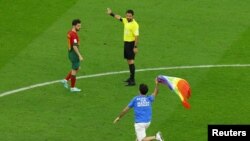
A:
<point x="75" y="89"/>
<point x="159" y="136"/>
<point x="65" y="83"/>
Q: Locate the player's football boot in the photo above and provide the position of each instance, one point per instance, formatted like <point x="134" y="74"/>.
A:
<point x="65" y="83"/>
<point x="75" y="89"/>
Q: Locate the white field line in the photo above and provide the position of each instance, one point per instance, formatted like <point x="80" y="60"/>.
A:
<point x="121" y="72"/>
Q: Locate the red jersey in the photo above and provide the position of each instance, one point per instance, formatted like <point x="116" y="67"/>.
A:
<point x="72" y="39"/>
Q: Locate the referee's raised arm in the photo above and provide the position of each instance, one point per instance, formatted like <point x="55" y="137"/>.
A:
<point x="109" y="12"/>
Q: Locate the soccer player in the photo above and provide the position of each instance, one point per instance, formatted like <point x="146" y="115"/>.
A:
<point x="74" y="55"/>
<point x="142" y="105"/>
<point x="131" y="33"/>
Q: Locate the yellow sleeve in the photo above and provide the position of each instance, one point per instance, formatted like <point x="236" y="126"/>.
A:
<point x="136" y="29"/>
<point x="124" y="20"/>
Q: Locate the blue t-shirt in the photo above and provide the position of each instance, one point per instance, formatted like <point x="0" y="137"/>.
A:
<point x="142" y="108"/>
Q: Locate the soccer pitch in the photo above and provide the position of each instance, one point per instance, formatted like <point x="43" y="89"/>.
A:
<point x="173" y="34"/>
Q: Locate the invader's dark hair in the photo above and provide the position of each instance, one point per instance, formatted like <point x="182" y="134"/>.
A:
<point x="143" y="89"/>
<point x="75" y="22"/>
<point x="130" y="11"/>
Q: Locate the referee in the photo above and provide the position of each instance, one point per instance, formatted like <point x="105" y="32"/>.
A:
<point x="131" y="33"/>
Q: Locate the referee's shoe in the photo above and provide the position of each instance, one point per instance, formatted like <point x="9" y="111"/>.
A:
<point x="127" y="80"/>
<point x="130" y="82"/>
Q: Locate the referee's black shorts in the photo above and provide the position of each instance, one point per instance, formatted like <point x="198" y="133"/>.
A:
<point x="129" y="50"/>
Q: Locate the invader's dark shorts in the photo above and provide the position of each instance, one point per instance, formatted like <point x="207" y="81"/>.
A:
<point x="129" y="50"/>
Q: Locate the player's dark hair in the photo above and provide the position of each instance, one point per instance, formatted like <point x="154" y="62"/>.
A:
<point x="143" y="89"/>
<point x="75" y="22"/>
<point x="130" y="11"/>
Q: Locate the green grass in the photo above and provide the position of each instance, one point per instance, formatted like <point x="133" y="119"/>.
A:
<point x="172" y="33"/>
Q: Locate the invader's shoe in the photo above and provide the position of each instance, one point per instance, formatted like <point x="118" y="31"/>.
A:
<point x="159" y="136"/>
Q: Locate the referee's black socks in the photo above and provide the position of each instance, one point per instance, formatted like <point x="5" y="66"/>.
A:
<point x="132" y="72"/>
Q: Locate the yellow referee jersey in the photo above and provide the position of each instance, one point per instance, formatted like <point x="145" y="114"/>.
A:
<point x="131" y="29"/>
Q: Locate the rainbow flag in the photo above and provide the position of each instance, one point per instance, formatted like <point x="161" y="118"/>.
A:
<point x="179" y="86"/>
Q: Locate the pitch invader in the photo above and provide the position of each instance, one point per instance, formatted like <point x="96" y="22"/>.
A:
<point x="142" y="105"/>
<point x="74" y="55"/>
<point x="131" y="33"/>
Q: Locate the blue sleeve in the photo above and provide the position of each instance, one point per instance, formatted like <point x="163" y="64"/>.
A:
<point x="131" y="103"/>
<point x="151" y="98"/>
